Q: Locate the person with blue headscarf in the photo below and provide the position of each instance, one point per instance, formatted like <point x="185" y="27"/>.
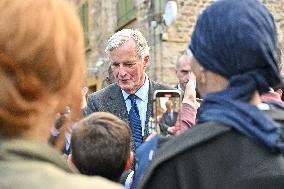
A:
<point x="238" y="141"/>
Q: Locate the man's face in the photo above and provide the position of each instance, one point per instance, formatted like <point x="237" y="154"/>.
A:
<point x="128" y="69"/>
<point x="184" y="72"/>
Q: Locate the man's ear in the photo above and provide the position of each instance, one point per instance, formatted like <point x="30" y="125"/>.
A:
<point x="129" y="162"/>
<point x="146" y="61"/>
<point x="71" y="164"/>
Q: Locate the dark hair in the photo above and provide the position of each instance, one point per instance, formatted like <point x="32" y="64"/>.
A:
<point x="110" y="78"/>
<point x="101" y="145"/>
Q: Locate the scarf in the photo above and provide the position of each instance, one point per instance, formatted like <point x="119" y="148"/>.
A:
<point x="237" y="39"/>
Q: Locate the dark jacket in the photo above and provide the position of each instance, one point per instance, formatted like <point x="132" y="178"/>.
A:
<point x="213" y="155"/>
<point x="166" y="122"/>
<point x="110" y="99"/>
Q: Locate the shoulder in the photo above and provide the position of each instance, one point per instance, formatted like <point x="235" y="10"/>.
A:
<point x="171" y="149"/>
<point x="40" y="174"/>
<point x="80" y="181"/>
<point x="155" y="85"/>
<point x="197" y="135"/>
<point x="113" y="88"/>
<point x="61" y="179"/>
<point x="98" y="100"/>
<point x="201" y="148"/>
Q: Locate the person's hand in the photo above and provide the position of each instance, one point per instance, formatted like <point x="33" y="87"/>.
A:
<point x="62" y="118"/>
<point x="171" y="130"/>
<point x="190" y="94"/>
<point x="152" y="135"/>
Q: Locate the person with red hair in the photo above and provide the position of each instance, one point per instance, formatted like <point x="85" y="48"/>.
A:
<point x="41" y="72"/>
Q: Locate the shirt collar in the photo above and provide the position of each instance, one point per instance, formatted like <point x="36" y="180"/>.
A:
<point x="179" y="87"/>
<point x="142" y="93"/>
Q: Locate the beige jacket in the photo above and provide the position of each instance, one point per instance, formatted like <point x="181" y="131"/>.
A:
<point x="28" y="164"/>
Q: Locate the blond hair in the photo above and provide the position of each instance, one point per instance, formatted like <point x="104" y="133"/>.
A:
<point x="40" y="43"/>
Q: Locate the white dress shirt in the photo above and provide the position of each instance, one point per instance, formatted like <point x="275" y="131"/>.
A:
<point x="141" y="101"/>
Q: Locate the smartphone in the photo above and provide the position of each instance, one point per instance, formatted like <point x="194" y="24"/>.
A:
<point x="166" y="111"/>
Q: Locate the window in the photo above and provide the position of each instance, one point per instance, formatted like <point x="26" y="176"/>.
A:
<point x="84" y="17"/>
<point x="125" y="12"/>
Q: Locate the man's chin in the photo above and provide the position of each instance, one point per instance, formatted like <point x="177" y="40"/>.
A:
<point x="125" y="88"/>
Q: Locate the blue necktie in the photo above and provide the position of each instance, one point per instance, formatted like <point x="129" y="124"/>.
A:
<point x="135" y="122"/>
<point x="170" y="115"/>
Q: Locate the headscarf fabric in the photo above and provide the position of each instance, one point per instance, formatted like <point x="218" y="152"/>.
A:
<point x="237" y="39"/>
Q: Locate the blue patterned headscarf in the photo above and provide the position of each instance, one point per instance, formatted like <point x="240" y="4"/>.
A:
<point x="237" y="39"/>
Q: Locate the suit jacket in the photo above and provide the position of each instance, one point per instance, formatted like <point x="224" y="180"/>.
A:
<point x="213" y="155"/>
<point x="166" y="122"/>
<point x="110" y="99"/>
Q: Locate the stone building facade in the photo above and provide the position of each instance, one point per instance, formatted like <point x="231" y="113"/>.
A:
<point x="101" y="18"/>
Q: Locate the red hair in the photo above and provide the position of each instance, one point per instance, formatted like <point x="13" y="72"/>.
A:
<point x="41" y="48"/>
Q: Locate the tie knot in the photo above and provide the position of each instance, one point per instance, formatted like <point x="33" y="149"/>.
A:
<point x="132" y="98"/>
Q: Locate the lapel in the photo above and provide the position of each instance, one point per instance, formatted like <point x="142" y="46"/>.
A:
<point x="168" y="119"/>
<point x="153" y="86"/>
<point x="149" y="112"/>
<point x="175" y="115"/>
<point x="116" y="103"/>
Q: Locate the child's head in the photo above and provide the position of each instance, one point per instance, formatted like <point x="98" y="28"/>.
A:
<point x="101" y="146"/>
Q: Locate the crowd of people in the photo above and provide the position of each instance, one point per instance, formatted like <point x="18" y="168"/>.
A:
<point x="52" y="136"/>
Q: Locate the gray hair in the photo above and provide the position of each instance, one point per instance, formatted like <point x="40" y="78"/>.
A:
<point x="187" y="55"/>
<point x="122" y="36"/>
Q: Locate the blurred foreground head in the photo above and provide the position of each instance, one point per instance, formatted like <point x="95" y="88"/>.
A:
<point x="41" y="65"/>
<point x="236" y="55"/>
<point x="239" y="45"/>
<point x="101" y="146"/>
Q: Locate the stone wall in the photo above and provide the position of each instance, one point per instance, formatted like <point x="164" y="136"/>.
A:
<point x="166" y="42"/>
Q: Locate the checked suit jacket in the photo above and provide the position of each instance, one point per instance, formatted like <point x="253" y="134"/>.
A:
<point x="110" y="99"/>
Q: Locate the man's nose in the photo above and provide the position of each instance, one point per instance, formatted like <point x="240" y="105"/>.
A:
<point x="122" y="71"/>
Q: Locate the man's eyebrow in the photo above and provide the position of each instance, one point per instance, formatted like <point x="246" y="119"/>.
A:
<point x="125" y="62"/>
<point x="130" y="61"/>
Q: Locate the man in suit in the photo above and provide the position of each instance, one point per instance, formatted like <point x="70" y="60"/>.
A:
<point x="168" y="119"/>
<point x="184" y="72"/>
<point x="128" y="53"/>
